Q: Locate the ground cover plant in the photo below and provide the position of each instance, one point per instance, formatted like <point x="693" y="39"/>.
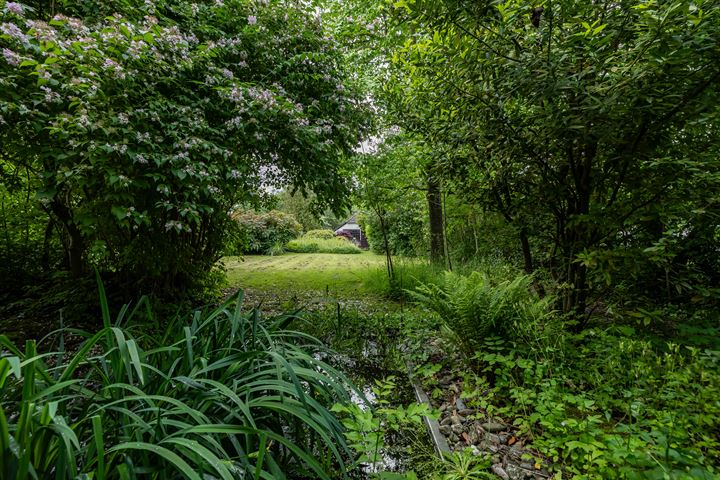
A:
<point x="602" y="403"/>
<point x="221" y="392"/>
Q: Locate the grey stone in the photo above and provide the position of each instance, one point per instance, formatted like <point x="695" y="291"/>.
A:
<point x="457" y="419"/>
<point x="493" y="427"/>
<point x="514" y="472"/>
<point x="504" y="437"/>
<point x="466" y="412"/>
<point x="460" y="405"/>
<point x="446" y="421"/>
<point x="458" y="429"/>
<point x="496" y="459"/>
<point x="492" y="438"/>
<point x="500" y="472"/>
<point x="445" y="430"/>
<point x="515" y="453"/>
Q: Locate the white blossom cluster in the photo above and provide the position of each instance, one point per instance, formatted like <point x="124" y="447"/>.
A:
<point x="91" y="82"/>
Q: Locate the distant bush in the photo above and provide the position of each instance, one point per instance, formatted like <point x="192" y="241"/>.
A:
<point x="406" y="230"/>
<point x="261" y="233"/>
<point x="307" y="244"/>
<point x="322" y="234"/>
<point x="346" y="235"/>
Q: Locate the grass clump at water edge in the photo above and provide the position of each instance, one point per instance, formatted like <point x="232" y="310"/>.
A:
<point x="223" y="393"/>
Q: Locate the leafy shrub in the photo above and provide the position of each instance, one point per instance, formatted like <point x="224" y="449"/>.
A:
<point x="262" y="233"/>
<point x="147" y="167"/>
<point x="612" y="405"/>
<point x="474" y="308"/>
<point x="221" y="394"/>
<point x="406" y="230"/>
<point x="321" y="234"/>
<point x="320" y="245"/>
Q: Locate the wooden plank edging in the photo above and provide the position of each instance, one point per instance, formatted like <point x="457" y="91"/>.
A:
<point x="438" y="439"/>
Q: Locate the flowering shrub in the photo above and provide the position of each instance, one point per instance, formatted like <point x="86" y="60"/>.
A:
<point x="262" y="233"/>
<point x="146" y="126"/>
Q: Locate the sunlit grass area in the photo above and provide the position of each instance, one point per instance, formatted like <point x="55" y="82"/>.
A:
<point x="336" y="274"/>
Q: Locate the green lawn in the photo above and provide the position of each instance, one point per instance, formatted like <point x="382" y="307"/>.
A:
<point x="337" y="274"/>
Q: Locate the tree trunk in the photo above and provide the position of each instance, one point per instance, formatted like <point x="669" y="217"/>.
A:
<point x="45" y="261"/>
<point x="386" y="247"/>
<point x="576" y="233"/>
<point x="527" y="254"/>
<point x="72" y="239"/>
<point x="435" y="210"/>
<point x="75" y="250"/>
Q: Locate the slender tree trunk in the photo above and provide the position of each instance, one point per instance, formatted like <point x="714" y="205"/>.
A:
<point x="46" y="245"/>
<point x="72" y="238"/>
<point x="75" y="250"/>
<point x="446" y="246"/>
<point x="527" y="254"/>
<point x="386" y="247"/>
<point x="5" y="228"/>
<point x="475" y="235"/>
<point x="437" y="237"/>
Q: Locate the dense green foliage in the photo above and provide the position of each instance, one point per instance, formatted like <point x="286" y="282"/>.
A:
<point x="311" y="243"/>
<point x="261" y="233"/>
<point x="605" y="403"/>
<point x="391" y="192"/>
<point x="322" y="234"/>
<point x="573" y="120"/>
<point x="222" y="393"/>
<point x="306" y="210"/>
<point x="141" y="130"/>
<point x="23" y="252"/>
<point x="476" y="307"/>
<point x="541" y="178"/>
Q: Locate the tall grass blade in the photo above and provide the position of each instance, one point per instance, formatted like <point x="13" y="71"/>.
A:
<point x="181" y="465"/>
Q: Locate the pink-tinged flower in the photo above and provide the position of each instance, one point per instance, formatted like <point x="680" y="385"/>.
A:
<point x="11" y="57"/>
<point x="14" y="7"/>
<point x="50" y="95"/>
<point x="252" y="20"/>
<point x="13" y="31"/>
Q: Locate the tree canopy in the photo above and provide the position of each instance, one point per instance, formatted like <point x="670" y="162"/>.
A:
<point x="583" y="123"/>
